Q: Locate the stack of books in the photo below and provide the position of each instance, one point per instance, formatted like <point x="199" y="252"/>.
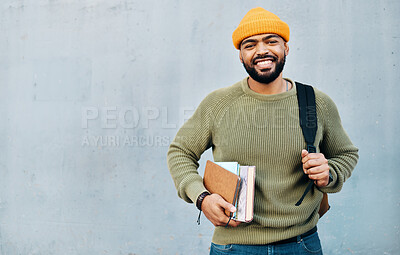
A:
<point x="234" y="183"/>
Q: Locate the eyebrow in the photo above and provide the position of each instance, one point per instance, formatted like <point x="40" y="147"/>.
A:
<point x="263" y="39"/>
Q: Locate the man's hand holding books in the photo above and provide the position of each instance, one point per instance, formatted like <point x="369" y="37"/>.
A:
<point x="214" y="207"/>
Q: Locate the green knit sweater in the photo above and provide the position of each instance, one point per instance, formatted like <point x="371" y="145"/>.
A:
<point x="262" y="130"/>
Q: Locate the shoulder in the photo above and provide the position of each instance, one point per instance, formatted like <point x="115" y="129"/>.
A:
<point x="221" y="96"/>
<point x="327" y="110"/>
<point x="324" y="101"/>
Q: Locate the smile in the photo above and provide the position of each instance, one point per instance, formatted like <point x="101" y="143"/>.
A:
<point x="265" y="64"/>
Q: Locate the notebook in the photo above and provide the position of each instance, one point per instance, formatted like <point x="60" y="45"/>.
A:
<point x="235" y="184"/>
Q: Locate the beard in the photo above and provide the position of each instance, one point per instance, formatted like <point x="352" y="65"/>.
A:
<point x="267" y="76"/>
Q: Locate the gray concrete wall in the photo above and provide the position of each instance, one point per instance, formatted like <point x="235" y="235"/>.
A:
<point x="92" y="92"/>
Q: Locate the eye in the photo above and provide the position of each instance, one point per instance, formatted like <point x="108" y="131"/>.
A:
<point x="248" y="46"/>
<point x="273" y="42"/>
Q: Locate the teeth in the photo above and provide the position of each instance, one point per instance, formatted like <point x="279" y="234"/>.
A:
<point x="264" y="62"/>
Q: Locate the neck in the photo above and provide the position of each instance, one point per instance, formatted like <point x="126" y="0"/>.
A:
<point x="275" y="87"/>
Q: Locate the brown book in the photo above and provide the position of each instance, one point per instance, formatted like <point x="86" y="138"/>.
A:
<point x="324" y="206"/>
<point x="223" y="182"/>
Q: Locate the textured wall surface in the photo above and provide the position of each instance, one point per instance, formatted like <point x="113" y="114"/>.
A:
<point x="92" y="92"/>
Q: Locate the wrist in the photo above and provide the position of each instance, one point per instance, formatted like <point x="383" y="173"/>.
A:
<point x="200" y="199"/>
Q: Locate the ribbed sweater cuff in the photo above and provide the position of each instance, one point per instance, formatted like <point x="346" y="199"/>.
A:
<point x="194" y="189"/>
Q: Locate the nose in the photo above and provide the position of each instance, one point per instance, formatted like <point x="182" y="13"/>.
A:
<point x="262" y="48"/>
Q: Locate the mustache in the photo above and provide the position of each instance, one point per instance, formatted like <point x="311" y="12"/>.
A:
<point x="264" y="56"/>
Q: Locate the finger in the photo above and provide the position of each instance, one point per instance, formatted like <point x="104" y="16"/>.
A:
<point x="315" y="163"/>
<point x="220" y="201"/>
<point x="227" y="206"/>
<point x="227" y="221"/>
<point x="317" y="170"/>
<point x="218" y="217"/>
<point x="322" y="183"/>
<point x="306" y="156"/>
<point x="311" y="163"/>
<point x="315" y="156"/>
<point x="221" y="219"/>
<point x="234" y="223"/>
<point x="318" y="176"/>
<point x="304" y="153"/>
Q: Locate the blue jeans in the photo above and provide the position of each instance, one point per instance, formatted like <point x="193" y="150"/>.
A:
<point x="304" y="246"/>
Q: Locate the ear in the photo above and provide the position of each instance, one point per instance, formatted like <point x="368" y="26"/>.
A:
<point x="286" y="48"/>
<point x="240" y="56"/>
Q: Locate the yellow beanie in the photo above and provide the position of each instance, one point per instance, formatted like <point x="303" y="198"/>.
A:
<point x="259" y="21"/>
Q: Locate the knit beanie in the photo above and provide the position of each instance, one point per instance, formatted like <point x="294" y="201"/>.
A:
<point x="259" y="21"/>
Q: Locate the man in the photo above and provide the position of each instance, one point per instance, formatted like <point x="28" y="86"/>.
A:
<point x="256" y="122"/>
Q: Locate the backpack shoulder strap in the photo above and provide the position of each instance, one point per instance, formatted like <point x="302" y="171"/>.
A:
<point x="308" y="114"/>
<point x="308" y="122"/>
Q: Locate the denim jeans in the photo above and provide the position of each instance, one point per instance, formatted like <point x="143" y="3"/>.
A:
<point x="304" y="246"/>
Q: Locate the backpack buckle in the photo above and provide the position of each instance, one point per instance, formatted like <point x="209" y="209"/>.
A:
<point x="311" y="149"/>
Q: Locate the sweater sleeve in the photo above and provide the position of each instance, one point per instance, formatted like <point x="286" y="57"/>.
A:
<point x="337" y="147"/>
<point x="192" y="139"/>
